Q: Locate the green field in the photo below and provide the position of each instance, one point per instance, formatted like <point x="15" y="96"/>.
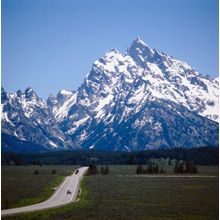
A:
<point x="120" y="195"/>
<point x="20" y="186"/>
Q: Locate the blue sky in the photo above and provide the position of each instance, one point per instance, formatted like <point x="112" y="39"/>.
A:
<point x="51" y="44"/>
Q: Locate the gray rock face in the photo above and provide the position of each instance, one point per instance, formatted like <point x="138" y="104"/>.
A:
<point x="142" y="99"/>
<point x="27" y="117"/>
<point x="120" y="88"/>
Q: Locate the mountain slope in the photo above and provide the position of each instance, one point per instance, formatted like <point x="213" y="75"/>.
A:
<point x="119" y="86"/>
<point x="27" y="117"/>
<point x="158" y="124"/>
<point x="142" y="99"/>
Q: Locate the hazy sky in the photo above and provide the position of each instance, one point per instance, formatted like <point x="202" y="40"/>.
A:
<point x="51" y="44"/>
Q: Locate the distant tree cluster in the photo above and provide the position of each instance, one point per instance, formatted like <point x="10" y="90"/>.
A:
<point x="104" y="170"/>
<point x="185" y="167"/>
<point x="200" y="155"/>
<point x="36" y="172"/>
<point x="93" y="170"/>
<point x="150" y="169"/>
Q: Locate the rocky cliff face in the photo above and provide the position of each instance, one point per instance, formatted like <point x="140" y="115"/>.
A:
<point x="27" y="118"/>
<point x="142" y="99"/>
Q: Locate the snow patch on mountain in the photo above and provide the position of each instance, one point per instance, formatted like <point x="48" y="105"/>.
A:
<point x="119" y="85"/>
<point x="28" y="118"/>
<point x="53" y="144"/>
<point x="129" y="101"/>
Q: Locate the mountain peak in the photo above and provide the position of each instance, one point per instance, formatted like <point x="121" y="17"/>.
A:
<point x="111" y="52"/>
<point x="63" y="95"/>
<point x="28" y="90"/>
<point x="3" y="94"/>
<point x="140" y="51"/>
<point x="143" y="99"/>
<point x="114" y="50"/>
<point x="64" y="92"/>
<point x="19" y="93"/>
<point x="51" y="101"/>
<point x="2" y="89"/>
<point x="139" y="41"/>
<point x="30" y="94"/>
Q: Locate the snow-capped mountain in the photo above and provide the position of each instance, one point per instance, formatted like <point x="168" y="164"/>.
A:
<point x="138" y="100"/>
<point x="120" y="87"/>
<point x="27" y="118"/>
<point x="61" y="104"/>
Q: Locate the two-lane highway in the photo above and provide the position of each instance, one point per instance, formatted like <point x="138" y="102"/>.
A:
<point x="59" y="198"/>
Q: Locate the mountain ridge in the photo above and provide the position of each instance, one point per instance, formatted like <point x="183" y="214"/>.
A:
<point x="120" y="87"/>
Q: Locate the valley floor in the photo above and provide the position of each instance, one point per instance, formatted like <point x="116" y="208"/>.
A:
<point x="114" y="197"/>
<point x="26" y="185"/>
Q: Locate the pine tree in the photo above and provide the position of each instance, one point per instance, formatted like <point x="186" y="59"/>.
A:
<point x="92" y="169"/>
<point x="139" y="169"/>
<point x="149" y="168"/>
<point x="106" y="170"/>
<point x="162" y="170"/>
<point x="102" y="170"/>
<point x="190" y="167"/>
<point x="169" y="162"/>
<point x="181" y="168"/>
<point x="176" y="168"/>
<point x="155" y="169"/>
<point x="187" y="167"/>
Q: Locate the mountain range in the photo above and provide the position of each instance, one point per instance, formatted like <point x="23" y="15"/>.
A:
<point x="137" y="100"/>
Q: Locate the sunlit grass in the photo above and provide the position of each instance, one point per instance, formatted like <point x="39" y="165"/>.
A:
<point x="111" y="197"/>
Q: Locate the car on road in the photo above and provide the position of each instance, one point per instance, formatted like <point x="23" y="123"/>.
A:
<point x="77" y="171"/>
<point x="68" y="192"/>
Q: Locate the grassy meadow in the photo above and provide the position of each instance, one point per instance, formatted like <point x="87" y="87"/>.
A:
<point x="122" y="195"/>
<point x="21" y="186"/>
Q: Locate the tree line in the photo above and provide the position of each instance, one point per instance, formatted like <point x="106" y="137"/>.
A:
<point x="180" y="167"/>
<point x="185" y="167"/>
<point x="150" y="169"/>
<point x="201" y="156"/>
<point x="93" y="170"/>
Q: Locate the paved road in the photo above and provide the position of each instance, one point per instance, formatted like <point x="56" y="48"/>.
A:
<point x="59" y="198"/>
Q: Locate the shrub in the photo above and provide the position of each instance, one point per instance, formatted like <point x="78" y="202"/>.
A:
<point x="162" y="170"/>
<point x="169" y="162"/>
<point x="187" y="167"/>
<point x="190" y="167"/>
<point x="139" y="169"/>
<point x="92" y="170"/>
<point x="155" y="169"/>
<point x="104" y="170"/>
<point x="149" y="169"/>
